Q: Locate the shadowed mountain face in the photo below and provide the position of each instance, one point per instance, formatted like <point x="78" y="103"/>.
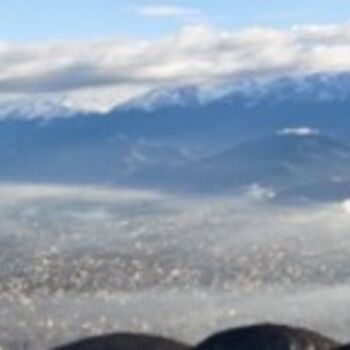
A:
<point x="125" y="341"/>
<point x="267" y="337"/>
<point x="280" y="162"/>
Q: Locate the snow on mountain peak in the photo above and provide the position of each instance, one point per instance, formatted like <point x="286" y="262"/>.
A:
<point x="34" y="107"/>
<point x="250" y="92"/>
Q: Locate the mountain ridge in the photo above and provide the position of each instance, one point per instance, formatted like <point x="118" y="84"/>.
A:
<point x="317" y="86"/>
<point x="137" y="146"/>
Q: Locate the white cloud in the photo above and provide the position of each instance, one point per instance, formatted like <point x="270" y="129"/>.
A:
<point x="10" y="193"/>
<point x="258" y="192"/>
<point x="303" y="131"/>
<point x="109" y="72"/>
<point x="346" y="206"/>
<point x="164" y="11"/>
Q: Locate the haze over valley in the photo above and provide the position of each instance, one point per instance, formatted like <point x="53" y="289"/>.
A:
<point x="82" y="261"/>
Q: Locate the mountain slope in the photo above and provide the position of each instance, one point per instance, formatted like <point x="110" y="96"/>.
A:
<point x="281" y="162"/>
<point x="155" y="139"/>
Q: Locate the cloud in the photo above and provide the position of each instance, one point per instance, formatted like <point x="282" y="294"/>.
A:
<point x="258" y="192"/>
<point x="346" y="206"/>
<point x="10" y="193"/>
<point x="110" y="72"/>
<point x="164" y="11"/>
<point x="303" y="131"/>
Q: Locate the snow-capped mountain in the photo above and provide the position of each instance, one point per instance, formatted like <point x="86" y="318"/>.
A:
<point x="320" y="87"/>
<point x="271" y="133"/>
<point x="34" y="107"/>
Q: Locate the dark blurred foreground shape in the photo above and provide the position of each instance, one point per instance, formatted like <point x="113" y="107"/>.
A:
<point x="257" y="337"/>
<point x="267" y="337"/>
<point x="344" y="347"/>
<point x="125" y="341"/>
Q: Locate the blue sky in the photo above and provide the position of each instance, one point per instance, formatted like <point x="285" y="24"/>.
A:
<point x="46" y="20"/>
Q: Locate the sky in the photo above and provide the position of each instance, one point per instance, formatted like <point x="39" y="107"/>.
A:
<point x="97" y="54"/>
<point x="25" y="21"/>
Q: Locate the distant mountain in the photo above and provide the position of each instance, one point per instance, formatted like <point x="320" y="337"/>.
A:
<point x="35" y="107"/>
<point x="183" y="96"/>
<point x="290" y="158"/>
<point x="250" y="92"/>
<point x="77" y="151"/>
<point x="214" y="138"/>
<point x="222" y="115"/>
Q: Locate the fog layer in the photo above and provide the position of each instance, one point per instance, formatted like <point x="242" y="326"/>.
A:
<point x="79" y="261"/>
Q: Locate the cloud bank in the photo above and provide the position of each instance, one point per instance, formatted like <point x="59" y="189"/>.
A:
<point x="104" y="73"/>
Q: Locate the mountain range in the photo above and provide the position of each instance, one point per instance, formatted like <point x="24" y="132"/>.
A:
<point x="289" y="134"/>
